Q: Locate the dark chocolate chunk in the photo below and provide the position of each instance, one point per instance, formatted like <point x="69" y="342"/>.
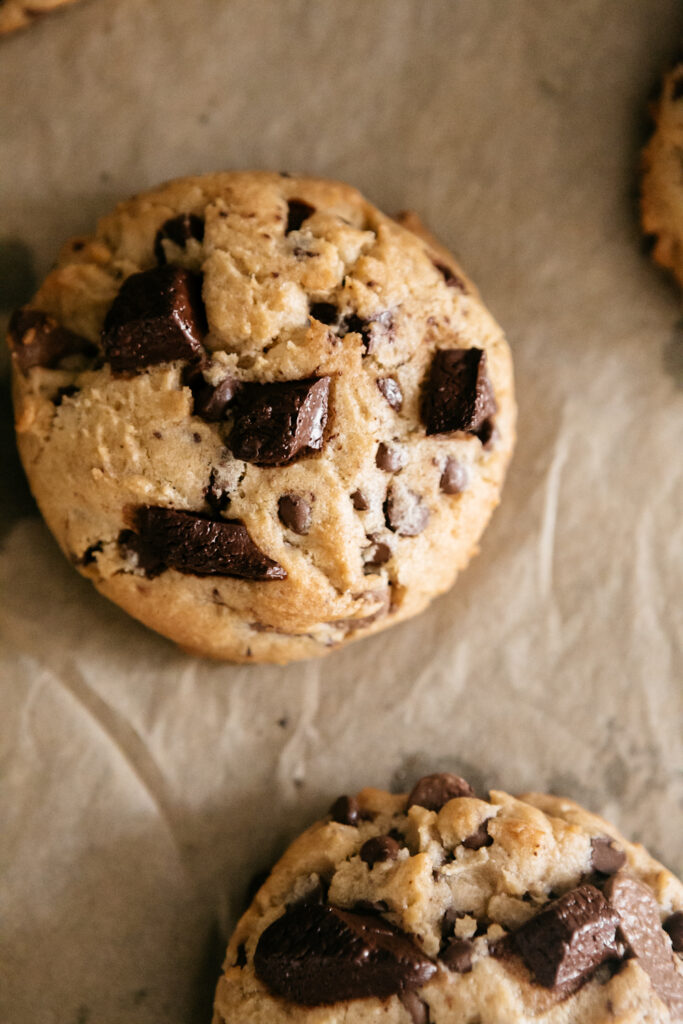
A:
<point x="641" y="929"/>
<point x="449" y="276"/>
<point x="674" y="926"/>
<point x="457" y="956"/>
<point x="216" y="495"/>
<point x="158" y="316"/>
<point x="390" y="458"/>
<point x="345" y="810"/>
<point x="569" y="938"/>
<point x="405" y="512"/>
<point x="605" y="856"/>
<point x="454" y="478"/>
<point x="325" y="312"/>
<point x="211" y="402"/>
<point x="433" y="791"/>
<point x="295" y="513"/>
<point x="66" y="392"/>
<point x="379" y="553"/>
<point x="391" y="390"/>
<point x="416" y="1007"/>
<point x="448" y="923"/>
<point x="458" y="395"/>
<point x="36" y="339"/>
<point x="378" y="849"/>
<point x="479" y="838"/>
<point x="360" y="502"/>
<point x="90" y="553"/>
<point x="274" y="423"/>
<point x="192" y="543"/>
<point x="297" y="212"/>
<point x="320" y="955"/>
<point x="178" y="230"/>
<point x="373" y="330"/>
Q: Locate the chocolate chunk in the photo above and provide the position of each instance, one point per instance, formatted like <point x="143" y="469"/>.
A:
<point x="458" y="395"/>
<point x="324" y="312"/>
<point x="90" y="554"/>
<point x="374" y="330"/>
<point x="433" y="791"/>
<point x="360" y="502"/>
<point x="36" y="339"/>
<point x="487" y="433"/>
<point x="449" y="276"/>
<point x="479" y="838"/>
<point x="66" y="392"/>
<point x="455" y="477"/>
<point x="178" y="230"/>
<point x="320" y="955"/>
<point x="390" y="458"/>
<point x="641" y="929"/>
<point x="211" y="402"/>
<point x="378" y="849"/>
<point x="674" y="926"/>
<point x="297" y="212"/>
<point x="345" y="810"/>
<point x="216" y="495"/>
<point x="605" y="856"/>
<point x="448" y="923"/>
<point x="391" y="390"/>
<point x="405" y="512"/>
<point x="379" y="553"/>
<point x="158" y="316"/>
<point x="195" y="544"/>
<point x="457" y="956"/>
<point x="274" y="423"/>
<point x="569" y="938"/>
<point x="416" y="1007"/>
<point x="295" y="513"/>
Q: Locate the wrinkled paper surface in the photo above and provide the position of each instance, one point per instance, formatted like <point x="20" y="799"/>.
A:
<point x="140" y="788"/>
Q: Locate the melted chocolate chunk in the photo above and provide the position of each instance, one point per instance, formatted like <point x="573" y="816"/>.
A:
<point x="157" y="317"/>
<point x="36" y="339"/>
<point x="479" y="838"/>
<point x="457" y="956"/>
<point x="360" y="502"/>
<point x="374" y="330"/>
<point x="391" y="390"/>
<point x="379" y="849"/>
<point x="449" y="276"/>
<point x="345" y="810"/>
<point x="211" y="403"/>
<point x="297" y="212"/>
<point x="390" y="458"/>
<point x="458" y="395"/>
<point x="295" y="512"/>
<point x="178" y="230"/>
<point x="569" y="938"/>
<point x="605" y="856"/>
<point x="192" y="543"/>
<point x="641" y="929"/>
<point x="320" y="955"/>
<point x="433" y="791"/>
<point x="455" y="477"/>
<point x="379" y="553"/>
<point x="325" y="312"/>
<point x="416" y="1007"/>
<point x="274" y="423"/>
<point x="674" y="927"/>
<point x="405" y="512"/>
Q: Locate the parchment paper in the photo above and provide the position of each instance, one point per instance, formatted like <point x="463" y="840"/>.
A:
<point x="140" y="788"/>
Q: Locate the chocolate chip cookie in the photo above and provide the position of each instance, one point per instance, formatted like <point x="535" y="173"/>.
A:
<point x="260" y="415"/>
<point x="16" y="14"/>
<point x="662" y="187"/>
<point x="445" y="907"/>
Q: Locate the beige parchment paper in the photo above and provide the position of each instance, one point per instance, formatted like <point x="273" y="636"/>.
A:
<point x="140" y="788"/>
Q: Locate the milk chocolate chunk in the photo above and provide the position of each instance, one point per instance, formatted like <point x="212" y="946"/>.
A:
<point x="158" y="316"/>
<point x="454" y="478"/>
<point x="295" y="512"/>
<point x="449" y="276"/>
<point x="345" y="810"/>
<point x="641" y="929"/>
<point x="197" y="545"/>
<point x="390" y="458"/>
<point x="405" y="512"/>
<point x="674" y="926"/>
<point x="320" y="955"/>
<point x="360" y="502"/>
<point x="391" y="390"/>
<point x="433" y="791"/>
<point x="36" y="339"/>
<point x="569" y="938"/>
<point x="458" y="395"/>
<point x="479" y="838"/>
<point x="378" y="849"/>
<point x="178" y="230"/>
<point x="297" y="212"/>
<point x="457" y="956"/>
<point x="606" y="857"/>
<point x="275" y="423"/>
<point x="211" y="402"/>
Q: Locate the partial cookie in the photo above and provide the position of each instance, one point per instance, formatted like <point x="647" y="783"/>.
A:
<point x="261" y="416"/>
<point x="16" y="14"/>
<point x="443" y="907"/>
<point x="662" y="184"/>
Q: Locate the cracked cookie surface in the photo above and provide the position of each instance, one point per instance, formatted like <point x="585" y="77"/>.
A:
<point x="662" y="180"/>
<point x="260" y="415"/>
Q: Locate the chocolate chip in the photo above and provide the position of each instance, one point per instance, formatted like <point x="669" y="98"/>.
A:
<point x="210" y="402"/>
<point x="345" y="810"/>
<point x="449" y="276"/>
<point x="374" y="330"/>
<point x="433" y="791"/>
<point x="416" y="1007"/>
<point x="379" y="849"/>
<point x="158" y="316"/>
<point x="178" y="230"/>
<point x="674" y="926"/>
<point x="216" y="495"/>
<point x="457" y="956"/>
<point x="295" y="513"/>
<point x="391" y="390"/>
<point x="66" y="392"/>
<point x="90" y="553"/>
<point x="405" y="512"/>
<point x="487" y="433"/>
<point x="360" y="502"/>
<point x="390" y="458"/>
<point x="455" y="477"/>
<point x="297" y="212"/>
<point x="640" y="927"/>
<point x="36" y="339"/>
<point x="569" y="938"/>
<point x="324" y="312"/>
<point x="379" y="553"/>
<point x="448" y="922"/>
<point x="605" y="856"/>
<point x="479" y="838"/>
<point x="192" y="543"/>
<point x="320" y="955"/>
<point x="274" y="423"/>
<point x="458" y="395"/>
